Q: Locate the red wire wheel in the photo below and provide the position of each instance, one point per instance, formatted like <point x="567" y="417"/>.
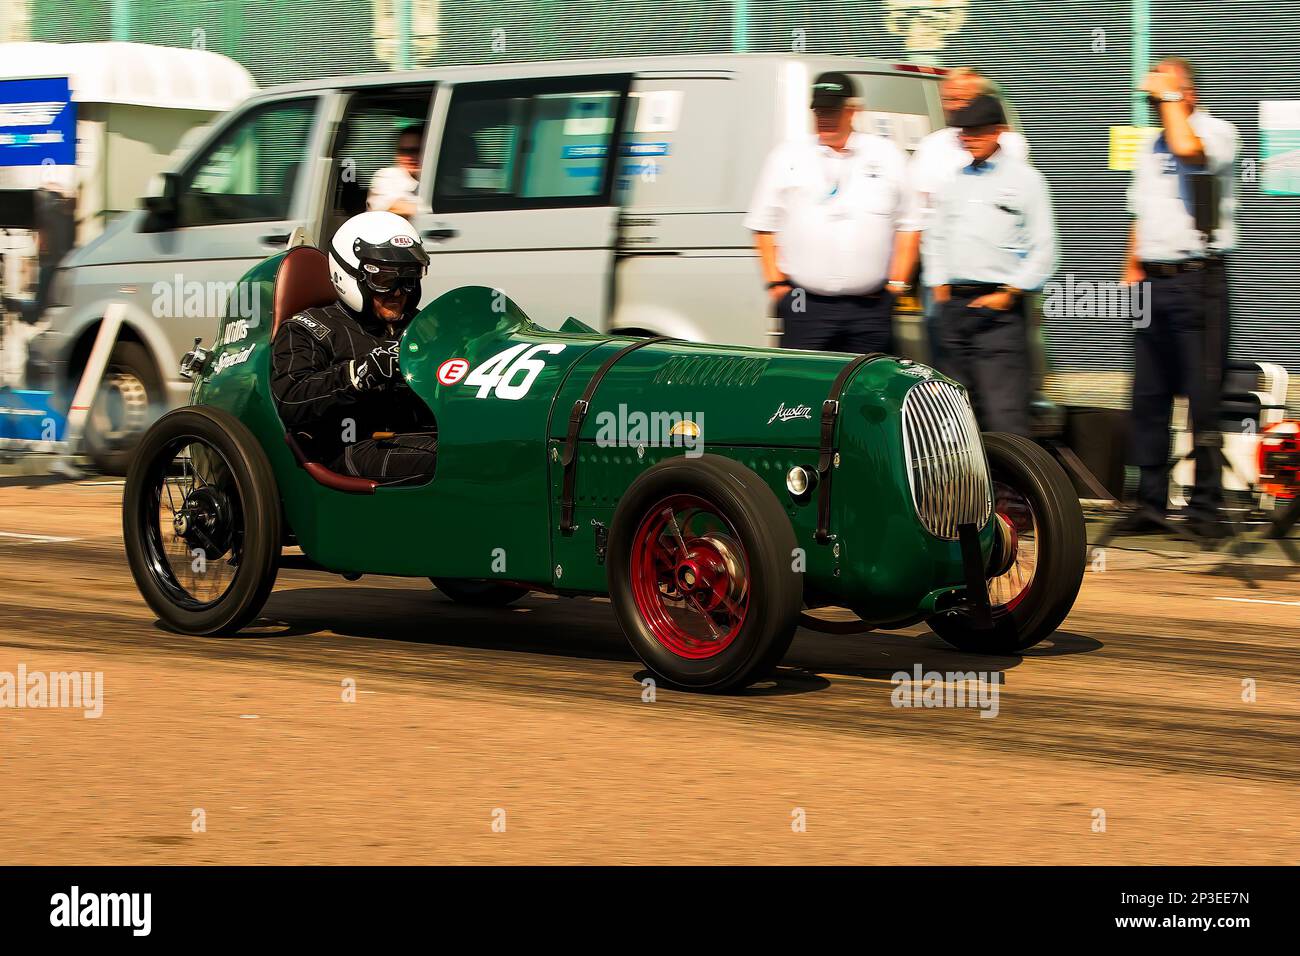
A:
<point x="690" y="577"/>
<point x="1032" y="597"/>
<point x="700" y="573"/>
<point x="1017" y="512"/>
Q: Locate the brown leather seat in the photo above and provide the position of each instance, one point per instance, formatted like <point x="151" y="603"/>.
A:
<point x="303" y="282"/>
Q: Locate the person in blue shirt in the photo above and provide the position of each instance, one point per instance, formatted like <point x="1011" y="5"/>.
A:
<point x="991" y="240"/>
<point x="1185" y="277"/>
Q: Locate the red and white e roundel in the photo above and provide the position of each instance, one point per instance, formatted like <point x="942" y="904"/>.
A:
<point x="452" y="371"/>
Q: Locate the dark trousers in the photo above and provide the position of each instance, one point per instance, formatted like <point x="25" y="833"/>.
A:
<point x="1173" y="355"/>
<point x="988" y="352"/>
<point x="931" y="312"/>
<point x="406" y="459"/>
<point x="837" y="323"/>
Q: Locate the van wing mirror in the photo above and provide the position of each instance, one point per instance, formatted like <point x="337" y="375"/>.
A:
<point x="163" y="208"/>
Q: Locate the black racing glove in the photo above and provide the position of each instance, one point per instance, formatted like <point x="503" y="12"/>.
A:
<point x="377" y="370"/>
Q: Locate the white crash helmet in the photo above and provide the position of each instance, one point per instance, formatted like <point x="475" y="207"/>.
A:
<point x="373" y="252"/>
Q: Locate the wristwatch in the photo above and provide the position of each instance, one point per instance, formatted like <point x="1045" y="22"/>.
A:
<point x="902" y="288"/>
<point x="1171" y="96"/>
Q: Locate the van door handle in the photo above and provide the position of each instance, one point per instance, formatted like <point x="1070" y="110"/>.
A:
<point x="275" y="239"/>
<point x="441" y="233"/>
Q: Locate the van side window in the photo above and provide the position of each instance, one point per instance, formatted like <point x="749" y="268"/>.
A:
<point x="897" y="109"/>
<point x="680" y="145"/>
<point x="515" y="150"/>
<point x="377" y="154"/>
<point x="249" y="173"/>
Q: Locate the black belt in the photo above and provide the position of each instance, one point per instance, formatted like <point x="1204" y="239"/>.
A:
<point x="826" y="447"/>
<point x="1166" y="270"/>
<point x="569" y="458"/>
<point x="974" y="288"/>
<point x="865" y="297"/>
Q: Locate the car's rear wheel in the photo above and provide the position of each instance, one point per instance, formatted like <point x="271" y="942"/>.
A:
<point x="701" y="573"/>
<point x="479" y="593"/>
<point x="1039" y="510"/>
<point x="201" y="521"/>
<point x="130" y="395"/>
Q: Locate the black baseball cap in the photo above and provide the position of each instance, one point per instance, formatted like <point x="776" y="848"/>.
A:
<point x="832" y="90"/>
<point x="984" y="110"/>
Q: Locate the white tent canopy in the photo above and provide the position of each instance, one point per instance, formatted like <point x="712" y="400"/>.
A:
<point x="135" y="74"/>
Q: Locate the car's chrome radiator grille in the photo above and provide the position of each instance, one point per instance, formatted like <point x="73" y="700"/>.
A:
<point x="946" y="467"/>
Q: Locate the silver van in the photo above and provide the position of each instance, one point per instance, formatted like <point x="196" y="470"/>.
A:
<point x="612" y="190"/>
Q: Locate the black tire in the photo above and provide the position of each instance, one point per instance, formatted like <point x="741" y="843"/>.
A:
<point x="772" y="589"/>
<point x="237" y="471"/>
<point x="479" y="593"/>
<point x="1061" y="548"/>
<point x="130" y="396"/>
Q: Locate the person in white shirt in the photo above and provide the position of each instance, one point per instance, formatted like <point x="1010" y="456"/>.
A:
<point x="1182" y="346"/>
<point x="395" y="188"/>
<point x="939" y="157"/>
<point x="827" y="214"/>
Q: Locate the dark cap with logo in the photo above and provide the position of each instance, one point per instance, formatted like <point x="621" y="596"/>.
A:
<point x="984" y="110"/>
<point x="832" y="90"/>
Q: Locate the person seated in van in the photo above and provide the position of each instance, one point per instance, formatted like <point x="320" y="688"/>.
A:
<point x="394" y="188"/>
<point x="334" y="370"/>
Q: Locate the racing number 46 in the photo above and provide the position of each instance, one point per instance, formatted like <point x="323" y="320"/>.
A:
<point x="497" y="375"/>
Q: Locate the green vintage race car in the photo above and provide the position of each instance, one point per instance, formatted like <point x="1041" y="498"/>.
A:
<point x="717" y="495"/>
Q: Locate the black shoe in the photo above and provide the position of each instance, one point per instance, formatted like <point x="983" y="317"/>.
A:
<point x="1208" y="527"/>
<point x="1140" y="522"/>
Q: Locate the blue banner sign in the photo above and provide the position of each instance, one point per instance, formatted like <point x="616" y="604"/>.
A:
<point x="38" y="123"/>
<point x="645" y="149"/>
<point x="598" y="151"/>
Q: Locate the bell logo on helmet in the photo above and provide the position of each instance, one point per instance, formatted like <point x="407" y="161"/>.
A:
<point x="402" y="242"/>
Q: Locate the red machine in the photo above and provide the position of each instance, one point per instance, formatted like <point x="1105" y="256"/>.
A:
<point x="1279" y="460"/>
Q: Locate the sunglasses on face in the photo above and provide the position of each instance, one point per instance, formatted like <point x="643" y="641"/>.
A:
<point x="391" y="280"/>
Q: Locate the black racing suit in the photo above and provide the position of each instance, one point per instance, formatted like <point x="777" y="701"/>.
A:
<point x="313" y="368"/>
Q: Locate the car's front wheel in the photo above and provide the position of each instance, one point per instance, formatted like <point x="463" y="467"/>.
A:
<point x="701" y="573"/>
<point x="1044" y="527"/>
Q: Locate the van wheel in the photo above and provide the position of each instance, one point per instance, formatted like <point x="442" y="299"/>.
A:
<point x="700" y="573"/>
<point x="129" y="398"/>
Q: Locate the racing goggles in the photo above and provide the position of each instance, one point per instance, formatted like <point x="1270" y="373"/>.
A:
<point x="388" y="279"/>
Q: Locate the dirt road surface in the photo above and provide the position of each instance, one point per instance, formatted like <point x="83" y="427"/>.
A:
<point x="524" y="736"/>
